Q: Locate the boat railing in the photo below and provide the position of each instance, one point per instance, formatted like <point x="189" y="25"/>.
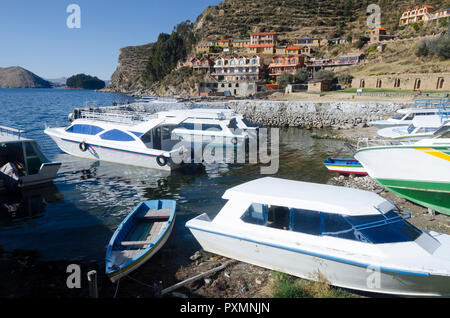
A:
<point x="116" y="116"/>
<point x="432" y="103"/>
<point x="9" y="131"/>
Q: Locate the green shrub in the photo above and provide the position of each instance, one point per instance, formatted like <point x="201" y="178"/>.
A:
<point x="284" y="79"/>
<point x="439" y="46"/>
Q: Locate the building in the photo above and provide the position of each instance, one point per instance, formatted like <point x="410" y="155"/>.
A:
<point x="422" y="13"/>
<point x="203" y="48"/>
<point x="337" y="41"/>
<point x="432" y="82"/>
<point x="379" y="35"/>
<point x="318" y="86"/>
<point x="262" y="43"/>
<point x="310" y="42"/>
<point x="305" y="50"/>
<point x="238" y="68"/>
<point x="203" y="64"/>
<point x="286" y="63"/>
<point x="224" y="43"/>
<point x="241" y="43"/>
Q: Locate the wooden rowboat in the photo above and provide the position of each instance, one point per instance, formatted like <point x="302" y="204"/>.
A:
<point x="141" y="234"/>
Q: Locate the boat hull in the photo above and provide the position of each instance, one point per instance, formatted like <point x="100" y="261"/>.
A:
<point x="314" y="266"/>
<point x="116" y="276"/>
<point x="417" y="173"/>
<point x="110" y="154"/>
<point x="122" y="260"/>
<point x="345" y="166"/>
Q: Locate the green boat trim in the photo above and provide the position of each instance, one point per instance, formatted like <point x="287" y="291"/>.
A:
<point x="433" y="195"/>
<point x="444" y="147"/>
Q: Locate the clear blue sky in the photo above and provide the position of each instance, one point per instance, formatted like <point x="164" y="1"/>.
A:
<point x="34" y="34"/>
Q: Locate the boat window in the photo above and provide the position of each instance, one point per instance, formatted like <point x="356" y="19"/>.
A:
<point x="256" y="214"/>
<point x="305" y="221"/>
<point x="116" y="135"/>
<point x="411" y="128"/>
<point x="29" y="149"/>
<point x="390" y="228"/>
<point x="84" y="129"/>
<point x="410" y="117"/>
<point x="147" y="137"/>
<point x="445" y="135"/>
<point x="211" y="127"/>
<point x="335" y="225"/>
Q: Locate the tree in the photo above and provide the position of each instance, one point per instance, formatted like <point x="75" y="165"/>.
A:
<point x="284" y="79"/>
<point x="168" y="50"/>
<point x="324" y="75"/>
<point x="302" y="75"/>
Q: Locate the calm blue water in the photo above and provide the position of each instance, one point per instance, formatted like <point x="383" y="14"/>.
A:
<point x="74" y="218"/>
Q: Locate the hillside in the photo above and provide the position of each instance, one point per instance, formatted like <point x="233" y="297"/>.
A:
<point x="18" y="77"/>
<point x="291" y="19"/>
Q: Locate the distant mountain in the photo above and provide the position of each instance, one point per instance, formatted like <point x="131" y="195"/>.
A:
<point x="18" y="77"/>
<point x="61" y="81"/>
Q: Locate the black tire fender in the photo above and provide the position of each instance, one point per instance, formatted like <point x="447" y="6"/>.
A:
<point x="234" y="141"/>
<point x="161" y="160"/>
<point x="83" y="146"/>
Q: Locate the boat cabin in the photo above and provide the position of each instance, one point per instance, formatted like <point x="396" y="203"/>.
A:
<point x="24" y="153"/>
<point x="322" y="211"/>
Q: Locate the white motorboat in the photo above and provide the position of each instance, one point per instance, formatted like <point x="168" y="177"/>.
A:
<point x="405" y="116"/>
<point x="354" y="239"/>
<point x="418" y="171"/>
<point x="421" y="127"/>
<point x="162" y="140"/>
<point x="22" y="162"/>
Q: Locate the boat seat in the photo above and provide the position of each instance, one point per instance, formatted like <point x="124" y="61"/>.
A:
<point x="156" y="214"/>
<point x="154" y="232"/>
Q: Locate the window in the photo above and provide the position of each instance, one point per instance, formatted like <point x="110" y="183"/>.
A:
<point x="84" y="129"/>
<point x="305" y="221"/>
<point x="256" y="214"/>
<point x="116" y="135"/>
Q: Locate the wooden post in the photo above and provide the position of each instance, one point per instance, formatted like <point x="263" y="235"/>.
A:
<point x="92" y="279"/>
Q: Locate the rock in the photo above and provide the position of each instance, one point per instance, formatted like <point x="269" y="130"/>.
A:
<point x="196" y="256"/>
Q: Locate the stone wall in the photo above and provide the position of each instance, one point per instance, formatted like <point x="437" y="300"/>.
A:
<point x="438" y="81"/>
<point x="313" y="114"/>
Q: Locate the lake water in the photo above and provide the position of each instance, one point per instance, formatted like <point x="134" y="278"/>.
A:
<point x="75" y="217"/>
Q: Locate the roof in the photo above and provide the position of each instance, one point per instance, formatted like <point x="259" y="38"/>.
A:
<point x="309" y="196"/>
<point x="261" y="45"/>
<point x="293" y="48"/>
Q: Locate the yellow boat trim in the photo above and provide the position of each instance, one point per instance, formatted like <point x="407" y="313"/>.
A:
<point x="435" y="153"/>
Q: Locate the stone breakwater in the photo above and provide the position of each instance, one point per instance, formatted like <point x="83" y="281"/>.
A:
<point x="307" y="114"/>
<point x="304" y="114"/>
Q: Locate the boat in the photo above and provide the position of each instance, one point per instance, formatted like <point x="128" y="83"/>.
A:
<point x="421" y="127"/>
<point x="163" y="140"/>
<point x="352" y="238"/>
<point x="418" y="171"/>
<point x="345" y="166"/>
<point x="140" y="235"/>
<point x="22" y="162"/>
<point x="405" y="116"/>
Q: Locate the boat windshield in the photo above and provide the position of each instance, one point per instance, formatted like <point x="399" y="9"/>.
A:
<point x="398" y="116"/>
<point x="411" y="128"/>
<point x="390" y="227"/>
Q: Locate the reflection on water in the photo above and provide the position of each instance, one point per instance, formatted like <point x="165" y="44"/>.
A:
<point x="75" y="218"/>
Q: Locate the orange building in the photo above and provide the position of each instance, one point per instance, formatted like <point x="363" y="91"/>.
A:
<point x="224" y="43"/>
<point x="286" y="63"/>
